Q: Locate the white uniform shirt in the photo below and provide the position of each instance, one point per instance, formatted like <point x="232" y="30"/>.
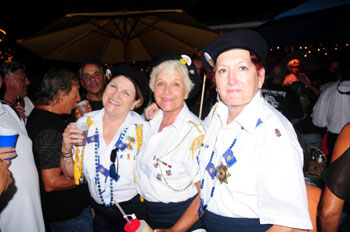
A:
<point x="20" y="204"/>
<point x="332" y="108"/>
<point x="267" y="180"/>
<point x="124" y="189"/>
<point x="162" y="172"/>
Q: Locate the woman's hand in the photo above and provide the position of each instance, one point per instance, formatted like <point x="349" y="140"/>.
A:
<point x="71" y="136"/>
<point x="6" y="154"/>
<point x="151" y="110"/>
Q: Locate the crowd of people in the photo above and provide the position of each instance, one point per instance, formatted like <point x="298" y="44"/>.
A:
<point x="147" y="153"/>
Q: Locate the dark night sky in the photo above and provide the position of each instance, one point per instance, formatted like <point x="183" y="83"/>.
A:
<point x="21" y="19"/>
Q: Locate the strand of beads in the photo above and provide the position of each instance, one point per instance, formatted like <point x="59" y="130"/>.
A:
<point x="98" y="182"/>
<point x="212" y="173"/>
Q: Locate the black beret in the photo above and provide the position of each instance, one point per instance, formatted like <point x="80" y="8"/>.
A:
<point x="138" y="77"/>
<point x="240" y="38"/>
<point x="192" y="69"/>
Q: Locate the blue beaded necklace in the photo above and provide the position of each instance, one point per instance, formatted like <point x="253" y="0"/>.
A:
<point x="213" y="172"/>
<point x="119" y="144"/>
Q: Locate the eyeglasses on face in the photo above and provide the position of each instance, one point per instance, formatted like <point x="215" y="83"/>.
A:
<point x="113" y="172"/>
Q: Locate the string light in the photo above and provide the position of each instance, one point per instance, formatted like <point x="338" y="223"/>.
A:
<point x="312" y="50"/>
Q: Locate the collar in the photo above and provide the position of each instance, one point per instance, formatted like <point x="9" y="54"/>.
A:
<point x="97" y="117"/>
<point x="250" y="116"/>
<point x="179" y="122"/>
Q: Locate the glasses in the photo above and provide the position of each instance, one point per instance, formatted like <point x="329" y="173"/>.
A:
<point x="113" y="172"/>
<point x="95" y="75"/>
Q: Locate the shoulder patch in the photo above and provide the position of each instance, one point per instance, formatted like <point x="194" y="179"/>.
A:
<point x="278" y="133"/>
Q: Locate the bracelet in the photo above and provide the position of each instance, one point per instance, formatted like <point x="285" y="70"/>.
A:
<point x="66" y="158"/>
<point x="66" y="153"/>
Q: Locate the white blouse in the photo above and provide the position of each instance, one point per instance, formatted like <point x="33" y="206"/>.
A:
<point x="257" y="161"/>
<point x="97" y="153"/>
<point x="167" y="167"/>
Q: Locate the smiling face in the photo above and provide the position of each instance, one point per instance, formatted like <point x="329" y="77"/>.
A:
<point x="170" y="91"/>
<point x="237" y="79"/>
<point x="119" y="96"/>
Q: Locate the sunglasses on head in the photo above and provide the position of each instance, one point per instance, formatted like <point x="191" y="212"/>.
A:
<point x="113" y="172"/>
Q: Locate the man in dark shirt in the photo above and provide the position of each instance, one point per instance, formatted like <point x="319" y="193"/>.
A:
<point x="65" y="205"/>
<point x="93" y="80"/>
<point x="282" y="98"/>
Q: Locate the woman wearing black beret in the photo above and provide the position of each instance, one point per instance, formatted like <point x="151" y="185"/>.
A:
<point x="250" y="159"/>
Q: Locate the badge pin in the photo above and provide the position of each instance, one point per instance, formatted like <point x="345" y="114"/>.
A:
<point x="222" y="173"/>
<point x="278" y="133"/>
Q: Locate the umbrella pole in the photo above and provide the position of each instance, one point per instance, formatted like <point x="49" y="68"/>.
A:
<point x="202" y="97"/>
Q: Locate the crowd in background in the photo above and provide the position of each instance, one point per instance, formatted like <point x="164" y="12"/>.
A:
<point x="49" y="190"/>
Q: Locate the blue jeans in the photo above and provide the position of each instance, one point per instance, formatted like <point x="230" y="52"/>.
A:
<point x="313" y="140"/>
<point x="82" y="223"/>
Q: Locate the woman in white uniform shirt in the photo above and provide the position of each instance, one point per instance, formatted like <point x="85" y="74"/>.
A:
<point x="251" y="161"/>
<point x="114" y="138"/>
<point x="167" y="171"/>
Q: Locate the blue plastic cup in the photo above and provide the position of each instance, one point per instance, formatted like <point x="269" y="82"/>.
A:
<point x="8" y="138"/>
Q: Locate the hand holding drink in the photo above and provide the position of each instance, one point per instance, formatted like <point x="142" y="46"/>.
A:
<point x="82" y="107"/>
<point x="8" y="138"/>
<point x="79" y="135"/>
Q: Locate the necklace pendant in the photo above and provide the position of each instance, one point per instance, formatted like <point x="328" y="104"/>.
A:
<point x="211" y="170"/>
<point x="229" y="157"/>
<point x="120" y="145"/>
<point x="222" y="173"/>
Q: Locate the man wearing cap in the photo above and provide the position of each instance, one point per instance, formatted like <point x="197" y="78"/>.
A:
<point x="308" y="94"/>
<point x="167" y="170"/>
<point x="250" y="160"/>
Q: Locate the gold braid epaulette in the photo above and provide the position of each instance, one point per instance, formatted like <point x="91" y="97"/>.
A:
<point x="197" y="142"/>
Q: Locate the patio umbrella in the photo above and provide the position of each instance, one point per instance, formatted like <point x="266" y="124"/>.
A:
<point x="121" y="36"/>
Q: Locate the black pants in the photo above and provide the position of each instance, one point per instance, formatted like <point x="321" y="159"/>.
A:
<point x="215" y="223"/>
<point x="165" y="215"/>
<point x="110" y="219"/>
